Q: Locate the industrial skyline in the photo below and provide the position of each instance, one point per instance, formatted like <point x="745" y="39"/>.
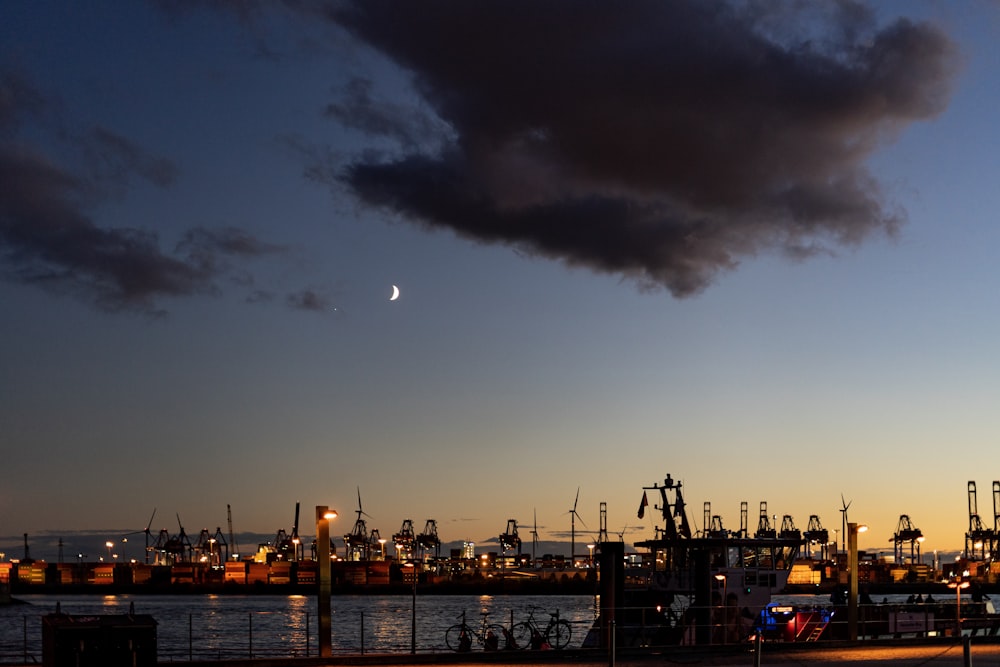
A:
<point x="479" y="259"/>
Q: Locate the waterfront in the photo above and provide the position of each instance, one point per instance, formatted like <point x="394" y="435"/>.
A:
<point x="221" y="627"/>
<point x="210" y="627"/>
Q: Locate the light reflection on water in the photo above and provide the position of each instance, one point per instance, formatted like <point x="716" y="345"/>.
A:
<point x="229" y="626"/>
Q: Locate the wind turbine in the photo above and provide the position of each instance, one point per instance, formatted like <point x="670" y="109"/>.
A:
<point x="572" y="532"/>
<point x="136" y="532"/>
<point x="843" y="521"/>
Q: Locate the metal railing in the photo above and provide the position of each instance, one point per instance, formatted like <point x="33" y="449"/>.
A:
<point x="222" y="635"/>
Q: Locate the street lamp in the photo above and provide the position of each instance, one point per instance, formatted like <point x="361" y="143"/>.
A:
<point x="958" y="585"/>
<point x="725" y="609"/>
<point x="109" y="545"/>
<point x="852" y="570"/>
<point x="413" y="610"/>
<point x="323" y="517"/>
<point x="381" y="543"/>
<point x="591" y="547"/>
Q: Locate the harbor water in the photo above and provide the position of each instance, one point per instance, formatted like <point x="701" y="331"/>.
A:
<point x="203" y="627"/>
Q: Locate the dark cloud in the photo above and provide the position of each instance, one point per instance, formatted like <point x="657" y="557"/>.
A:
<point x="113" y="156"/>
<point x="48" y="237"/>
<point x="383" y="118"/>
<point x="48" y="240"/>
<point x="657" y="139"/>
<point x="309" y="299"/>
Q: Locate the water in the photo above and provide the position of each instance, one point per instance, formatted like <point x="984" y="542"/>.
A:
<point x="229" y="626"/>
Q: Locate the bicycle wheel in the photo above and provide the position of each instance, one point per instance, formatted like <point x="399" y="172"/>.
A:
<point x="521" y="636"/>
<point x="558" y="634"/>
<point x="458" y="638"/>
<point x="493" y="638"/>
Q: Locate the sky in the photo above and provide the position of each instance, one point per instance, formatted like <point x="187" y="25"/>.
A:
<point x="749" y="245"/>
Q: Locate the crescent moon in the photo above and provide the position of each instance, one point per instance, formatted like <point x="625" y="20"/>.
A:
<point x="395" y="293"/>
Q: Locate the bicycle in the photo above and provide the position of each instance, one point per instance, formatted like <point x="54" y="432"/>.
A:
<point x="492" y="636"/>
<point x="555" y="635"/>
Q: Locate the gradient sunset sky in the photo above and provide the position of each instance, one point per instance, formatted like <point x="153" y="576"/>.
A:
<point x="751" y="245"/>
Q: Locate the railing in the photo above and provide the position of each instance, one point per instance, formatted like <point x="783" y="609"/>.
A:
<point x="221" y="635"/>
<point x="639" y="627"/>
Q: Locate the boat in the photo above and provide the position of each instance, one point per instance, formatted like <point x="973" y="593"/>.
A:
<point x="701" y="588"/>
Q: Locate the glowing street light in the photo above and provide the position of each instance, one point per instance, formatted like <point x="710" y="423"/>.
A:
<point x="413" y="609"/>
<point x="958" y="585"/>
<point x="323" y="517"/>
<point x="110" y="545"/>
<point x="725" y="609"/>
<point x="852" y="566"/>
<point x="591" y="563"/>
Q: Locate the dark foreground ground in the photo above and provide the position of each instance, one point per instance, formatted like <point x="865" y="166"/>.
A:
<point x="983" y="651"/>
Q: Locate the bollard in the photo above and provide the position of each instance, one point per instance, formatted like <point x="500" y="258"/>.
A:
<point x="967" y="651"/>
<point x="757" y="645"/>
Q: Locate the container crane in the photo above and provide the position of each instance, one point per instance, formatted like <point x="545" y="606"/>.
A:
<point x="405" y="539"/>
<point x="171" y="549"/>
<point x="764" y="527"/>
<point x="375" y="541"/>
<point x="788" y="530"/>
<point x="211" y="548"/>
<point x="510" y="540"/>
<point x="429" y="540"/>
<point x="713" y="523"/>
<point x="816" y="534"/>
<point x="979" y="539"/>
<point x="907" y="532"/>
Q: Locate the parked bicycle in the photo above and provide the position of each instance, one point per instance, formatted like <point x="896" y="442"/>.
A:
<point x="492" y="636"/>
<point x="556" y="634"/>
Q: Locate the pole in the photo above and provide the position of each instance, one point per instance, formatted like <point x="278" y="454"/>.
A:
<point x="413" y="614"/>
<point x="325" y="585"/>
<point x="958" y="609"/>
<point x="852" y="572"/>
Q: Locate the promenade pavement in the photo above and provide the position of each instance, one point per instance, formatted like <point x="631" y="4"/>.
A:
<point x="983" y="652"/>
<point x="949" y="653"/>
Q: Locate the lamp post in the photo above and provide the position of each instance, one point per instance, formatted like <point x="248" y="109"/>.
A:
<point x="591" y="562"/>
<point x="725" y="609"/>
<point x="323" y="517"/>
<point x="381" y="544"/>
<point x="958" y="585"/>
<point x="109" y="545"/>
<point x="413" y="610"/>
<point x="852" y="571"/>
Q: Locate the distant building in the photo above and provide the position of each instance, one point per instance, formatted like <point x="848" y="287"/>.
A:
<point x="468" y="549"/>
